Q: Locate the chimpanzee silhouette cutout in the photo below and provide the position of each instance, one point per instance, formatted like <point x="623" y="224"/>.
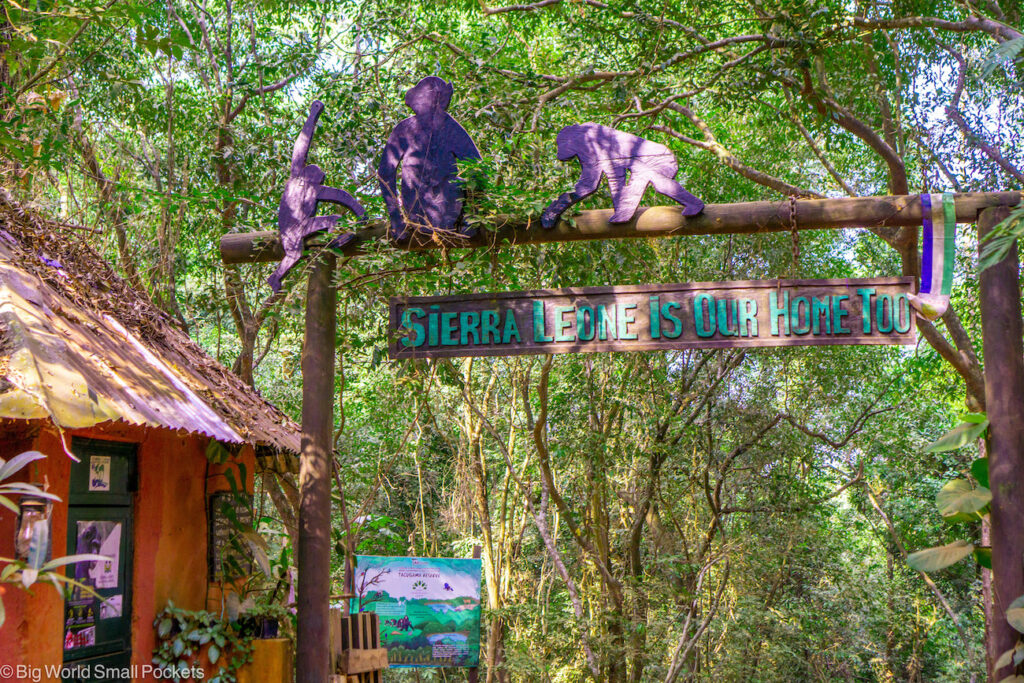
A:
<point x="426" y="146"/>
<point x="615" y="154"/>
<point x="296" y="215"/>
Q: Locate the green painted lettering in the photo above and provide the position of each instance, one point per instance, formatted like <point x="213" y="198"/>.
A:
<point x="748" y="318"/>
<point x="654" y="318"/>
<point x="704" y="304"/>
<point x="901" y="314"/>
<point x="605" y="321"/>
<point x="667" y="316"/>
<point x="727" y="314"/>
<point x="884" y="325"/>
<point x="584" y="323"/>
<point x="469" y="324"/>
<point x="538" y="323"/>
<point x="561" y="324"/>
<point x="489" y="333"/>
<point x="838" y="313"/>
<point x="624" y="318"/>
<point x="777" y="313"/>
<point x="795" y="323"/>
<point x="432" y="325"/>
<point x="511" y="329"/>
<point x="448" y="328"/>
<point x="819" y="308"/>
<point x="865" y="306"/>
<point x="413" y="327"/>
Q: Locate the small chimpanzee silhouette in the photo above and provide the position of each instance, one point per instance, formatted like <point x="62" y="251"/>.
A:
<point x="614" y="154"/>
<point x="426" y="145"/>
<point x="296" y="215"/>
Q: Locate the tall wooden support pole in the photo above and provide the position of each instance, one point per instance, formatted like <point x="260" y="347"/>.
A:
<point x="314" y="552"/>
<point x="1002" y="331"/>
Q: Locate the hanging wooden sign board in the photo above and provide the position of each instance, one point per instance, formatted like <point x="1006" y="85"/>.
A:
<point x="646" y="317"/>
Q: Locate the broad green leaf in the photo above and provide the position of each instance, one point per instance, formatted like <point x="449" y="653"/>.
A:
<point x="1013" y="679"/>
<point x="958" y="437"/>
<point x="72" y="559"/>
<point x="974" y="418"/>
<point x="164" y="628"/>
<point x="1004" y="659"/>
<point x="3" y="612"/>
<point x="984" y="557"/>
<point x="214" y="654"/>
<point x="178" y="647"/>
<point x="17" y="462"/>
<point x="979" y="470"/>
<point x="1015" y="614"/>
<point x="958" y="496"/>
<point x="940" y="557"/>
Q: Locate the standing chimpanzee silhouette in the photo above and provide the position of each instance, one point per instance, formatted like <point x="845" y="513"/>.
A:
<point x="296" y="215"/>
<point x="426" y="145"/>
<point x="614" y="154"/>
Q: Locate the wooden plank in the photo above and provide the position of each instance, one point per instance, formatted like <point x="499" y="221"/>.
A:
<point x="658" y="221"/>
<point x="346" y="634"/>
<point x="360" y="660"/>
<point x="336" y="619"/>
<point x="750" y="313"/>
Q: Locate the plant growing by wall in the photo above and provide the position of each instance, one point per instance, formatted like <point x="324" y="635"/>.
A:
<point x="36" y="568"/>
<point x="183" y="634"/>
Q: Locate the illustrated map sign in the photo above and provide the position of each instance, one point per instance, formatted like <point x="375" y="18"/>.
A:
<point x="646" y="317"/>
<point x="429" y="608"/>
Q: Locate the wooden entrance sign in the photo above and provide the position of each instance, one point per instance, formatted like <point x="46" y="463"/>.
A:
<point x="646" y="317"/>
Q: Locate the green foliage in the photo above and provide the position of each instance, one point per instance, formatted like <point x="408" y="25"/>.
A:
<point x="1002" y="238"/>
<point x="183" y="636"/>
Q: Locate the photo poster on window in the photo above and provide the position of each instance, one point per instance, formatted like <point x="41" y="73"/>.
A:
<point x="99" y="473"/>
<point x="81" y="610"/>
<point x="429" y="608"/>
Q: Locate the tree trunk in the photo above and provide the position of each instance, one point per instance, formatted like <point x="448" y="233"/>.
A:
<point x="1002" y="331"/>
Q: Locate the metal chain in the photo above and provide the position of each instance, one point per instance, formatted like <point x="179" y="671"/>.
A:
<point x="794" y="238"/>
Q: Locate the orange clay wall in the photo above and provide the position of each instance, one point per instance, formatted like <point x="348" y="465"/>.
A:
<point x="169" y="534"/>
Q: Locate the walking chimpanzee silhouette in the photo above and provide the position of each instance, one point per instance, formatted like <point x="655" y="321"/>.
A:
<point x="614" y="154"/>
<point x="296" y="215"/>
<point x="426" y="146"/>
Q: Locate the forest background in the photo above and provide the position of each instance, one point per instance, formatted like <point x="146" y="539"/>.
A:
<point x="700" y="515"/>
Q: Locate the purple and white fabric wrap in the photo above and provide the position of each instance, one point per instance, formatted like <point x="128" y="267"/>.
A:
<point x="938" y="253"/>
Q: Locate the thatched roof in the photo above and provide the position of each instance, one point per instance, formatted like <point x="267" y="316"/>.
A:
<point x="79" y="346"/>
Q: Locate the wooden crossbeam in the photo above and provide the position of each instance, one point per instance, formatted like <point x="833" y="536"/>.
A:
<point x="659" y="221"/>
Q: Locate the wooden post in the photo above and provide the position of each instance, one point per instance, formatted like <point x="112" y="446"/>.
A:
<point x="474" y="673"/>
<point x="1002" y="330"/>
<point x="314" y="551"/>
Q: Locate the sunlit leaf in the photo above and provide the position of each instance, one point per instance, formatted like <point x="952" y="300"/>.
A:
<point x="1015" y="614"/>
<point x="958" y="437"/>
<point x="934" y="559"/>
<point x="960" y="497"/>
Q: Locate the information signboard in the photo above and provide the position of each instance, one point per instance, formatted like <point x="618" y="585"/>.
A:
<point x="666" y="316"/>
<point x="429" y="608"/>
